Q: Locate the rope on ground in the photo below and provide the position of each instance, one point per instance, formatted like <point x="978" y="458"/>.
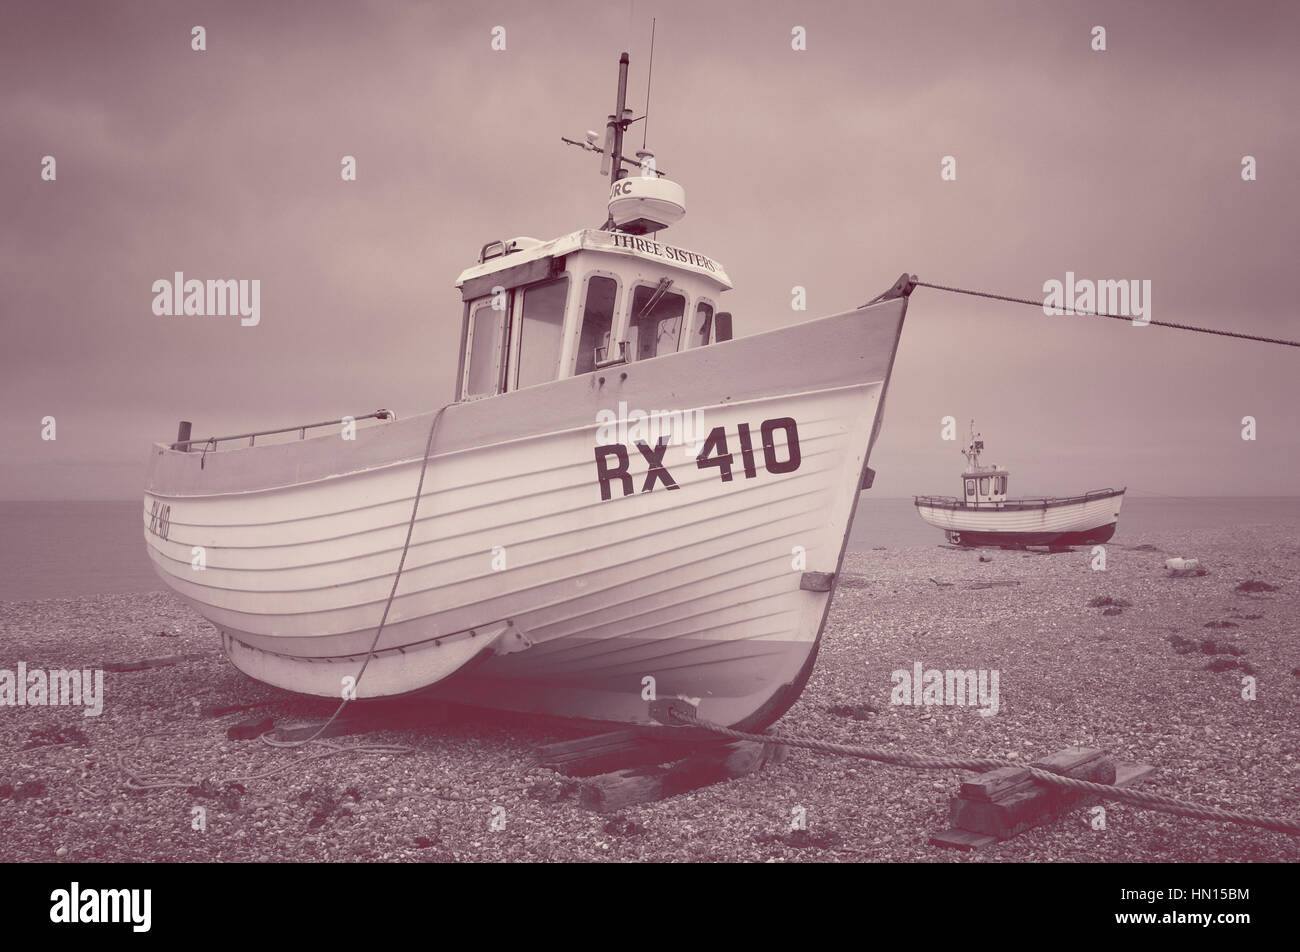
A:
<point x="1149" y="801"/>
<point x="1219" y="332"/>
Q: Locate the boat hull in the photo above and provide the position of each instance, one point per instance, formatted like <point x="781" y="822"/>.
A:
<point x="553" y="566"/>
<point x="1081" y="520"/>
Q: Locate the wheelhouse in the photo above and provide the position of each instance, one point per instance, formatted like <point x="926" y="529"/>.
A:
<point x="985" y="487"/>
<point x="539" y="311"/>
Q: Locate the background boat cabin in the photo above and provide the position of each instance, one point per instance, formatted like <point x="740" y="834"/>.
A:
<point x="988" y="487"/>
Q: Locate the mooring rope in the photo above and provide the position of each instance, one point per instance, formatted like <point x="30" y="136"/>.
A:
<point x="1149" y="801"/>
<point x="1218" y="332"/>
<point x="392" y="593"/>
<point x="137" y="782"/>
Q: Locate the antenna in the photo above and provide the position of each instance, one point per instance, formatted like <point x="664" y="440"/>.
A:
<point x="649" y="76"/>
<point x="617" y="123"/>
<point x="612" y="158"/>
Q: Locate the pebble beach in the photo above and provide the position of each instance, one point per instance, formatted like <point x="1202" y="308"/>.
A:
<point x="1150" y="668"/>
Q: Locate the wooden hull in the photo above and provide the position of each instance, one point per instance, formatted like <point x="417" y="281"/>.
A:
<point x="523" y="588"/>
<point x="1079" y="520"/>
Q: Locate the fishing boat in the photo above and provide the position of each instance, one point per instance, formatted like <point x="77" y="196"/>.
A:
<point x="984" y="516"/>
<point x="624" y="504"/>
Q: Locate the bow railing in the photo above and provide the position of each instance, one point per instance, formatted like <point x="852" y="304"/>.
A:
<point x="184" y="443"/>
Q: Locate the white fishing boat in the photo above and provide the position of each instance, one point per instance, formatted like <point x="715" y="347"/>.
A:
<point x="984" y="516"/>
<point x="622" y="504"/>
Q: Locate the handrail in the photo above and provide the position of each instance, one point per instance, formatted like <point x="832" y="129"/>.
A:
<point x="212" y="441"/>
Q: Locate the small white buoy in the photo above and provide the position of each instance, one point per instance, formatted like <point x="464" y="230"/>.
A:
<point x="1182" y="565"/>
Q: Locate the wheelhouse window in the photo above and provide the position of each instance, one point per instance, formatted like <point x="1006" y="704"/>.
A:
<point x="541" y="325"/>
<point x="483" y="365"/>
<point x="701" y="325"/>
<point x="597" y="322"/>
<point x="1002" y="485"/>
<point x="970" y="487"/>
<point x="984" y="485"/>
<point x="656" y="321"/>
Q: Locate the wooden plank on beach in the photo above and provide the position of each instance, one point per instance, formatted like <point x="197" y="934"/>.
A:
<point x="1001" y="803"/>
<point x="613" y="791"/>
<point x="631" y="747"/>
<point x="1004" y="781"/>
<point x="602" y="753"/>
<point x="1010" y="808"/>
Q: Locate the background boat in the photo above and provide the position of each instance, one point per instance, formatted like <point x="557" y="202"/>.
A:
<point x="983" y="515"/>
<point x="1071" y="520"/>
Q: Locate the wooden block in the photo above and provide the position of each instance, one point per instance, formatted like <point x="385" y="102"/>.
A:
<point x="614" y="791"/>
<point x="1081" y="762"/>
<point x="566" y="750"/>
<point x="633" y="754"/>
<point x="615" y="750"/>
<point x="1003" y="805"/>
<point x="1127" y="774"/>
<point x="1005" y="781"/>
<point x="1015" y="810"/>
<point x="582" y="748"/>
<point x="816" y="581"/>
<point x="996" y="783"/>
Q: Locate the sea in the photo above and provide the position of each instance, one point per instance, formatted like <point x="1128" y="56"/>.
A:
<point x="67" y="549"/>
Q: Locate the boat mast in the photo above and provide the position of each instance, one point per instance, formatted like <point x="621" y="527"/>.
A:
<point x="618" y="123"/>
<point x="972" y="451"/>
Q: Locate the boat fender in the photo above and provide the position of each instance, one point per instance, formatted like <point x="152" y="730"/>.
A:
<point x="816" y="581"/>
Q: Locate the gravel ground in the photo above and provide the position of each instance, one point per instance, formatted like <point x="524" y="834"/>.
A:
<point x="1134" y="683"/>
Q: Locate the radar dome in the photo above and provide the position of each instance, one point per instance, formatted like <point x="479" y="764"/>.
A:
<point x="641" y="205"/>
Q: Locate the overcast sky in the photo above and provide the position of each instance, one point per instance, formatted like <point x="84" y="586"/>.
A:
<point x="817" y="168"/>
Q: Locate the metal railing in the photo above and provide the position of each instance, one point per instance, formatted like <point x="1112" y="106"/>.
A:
<point x="212" y="442"/>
